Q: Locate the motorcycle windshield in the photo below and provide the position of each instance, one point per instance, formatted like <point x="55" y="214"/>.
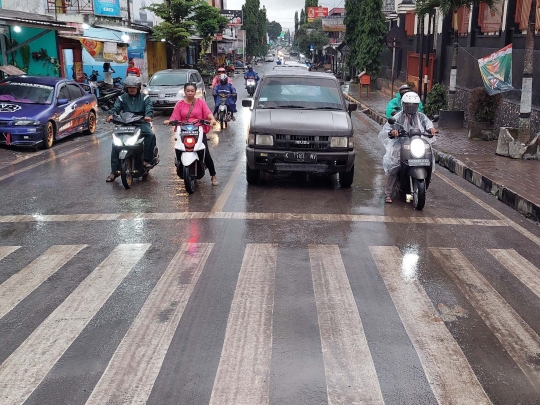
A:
<point x="128" y="118"/>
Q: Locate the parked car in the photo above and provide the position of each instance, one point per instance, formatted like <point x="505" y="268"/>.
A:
<point x="37" y="110"/>
<point x="300" y="123"/>
<point x="166" y="87"/>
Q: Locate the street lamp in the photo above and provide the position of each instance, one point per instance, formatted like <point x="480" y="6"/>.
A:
<point x="125" y="37"/>
<point x="17" y="28"/>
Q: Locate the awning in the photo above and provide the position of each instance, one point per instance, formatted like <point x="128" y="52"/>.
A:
<point x="23" y="19"/>
<point x="12" y="70"/>
<point x="122" y="29"/>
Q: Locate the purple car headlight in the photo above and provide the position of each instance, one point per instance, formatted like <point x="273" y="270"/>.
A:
<point x="26" y="122"/>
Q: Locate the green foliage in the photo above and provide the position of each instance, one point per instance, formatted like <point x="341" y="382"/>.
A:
<point x="448" y="6"/>
<point x="436" y="100"/>
<point x="311" y="34"/>
<point x="352" y="23"/>
<point x="25" y="56"/>
<point x="482" y="106"/>
<point x="296" y="22"/>
<point x="302" y="17"/>
<point x="255" y="26"/>
<point x="370" y="33"/>
<point x="209" y="22"/>
<point x="274" y="29"/>
<point x="310" y="3"/>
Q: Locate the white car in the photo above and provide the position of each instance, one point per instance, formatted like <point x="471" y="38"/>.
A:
<point x="290" y="64"/>
<point x="269" y="58"/>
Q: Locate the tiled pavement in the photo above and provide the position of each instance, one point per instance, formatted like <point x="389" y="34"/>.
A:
<point x="514" y="182"/>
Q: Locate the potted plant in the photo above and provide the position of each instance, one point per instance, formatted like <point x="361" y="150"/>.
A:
<point x="482" y="112"/>
<point x="436" y="100"/>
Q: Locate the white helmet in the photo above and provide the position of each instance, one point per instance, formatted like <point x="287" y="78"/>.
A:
<point x="410" y="102"/>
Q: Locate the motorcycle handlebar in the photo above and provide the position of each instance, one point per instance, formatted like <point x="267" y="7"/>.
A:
<point x="404" y="134"/>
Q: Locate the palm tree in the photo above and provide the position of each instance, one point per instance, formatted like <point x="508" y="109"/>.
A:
<point x="446" y="7"/>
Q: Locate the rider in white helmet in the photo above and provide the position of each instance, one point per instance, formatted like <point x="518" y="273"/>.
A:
<point x="409" y="118"/>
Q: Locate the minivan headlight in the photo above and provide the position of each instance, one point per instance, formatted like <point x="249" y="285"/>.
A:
<point x="181" y="92"/>
<point x="418" y="149"/>
<point x="338" y="141"/>
<point x="266" y="140"/>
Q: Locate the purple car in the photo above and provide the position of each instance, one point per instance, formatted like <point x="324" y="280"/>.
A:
<point x="37" y="110"/>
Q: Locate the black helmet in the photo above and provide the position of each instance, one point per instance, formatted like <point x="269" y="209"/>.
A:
<point x="404" y="89"/>
<point x="223" y="79"/>
<point x="132" y="81"/>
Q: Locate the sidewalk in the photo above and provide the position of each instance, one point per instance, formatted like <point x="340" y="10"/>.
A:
<point x="514" y="182"/>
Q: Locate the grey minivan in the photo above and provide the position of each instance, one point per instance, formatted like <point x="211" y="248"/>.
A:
<point x="166" y="87"/>
<point x="300" y="122"/>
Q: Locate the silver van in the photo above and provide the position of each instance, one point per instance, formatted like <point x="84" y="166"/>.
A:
<point x="166" y="87"/>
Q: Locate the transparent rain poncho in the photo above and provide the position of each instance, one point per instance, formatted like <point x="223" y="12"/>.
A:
<point x="393" y="145"/>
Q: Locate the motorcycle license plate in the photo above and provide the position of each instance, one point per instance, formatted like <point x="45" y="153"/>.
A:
<point x="300" y="157"/>
<point x="419" y="162"/>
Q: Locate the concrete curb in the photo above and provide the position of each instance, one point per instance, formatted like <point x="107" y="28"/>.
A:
<point x="509" y="197"/>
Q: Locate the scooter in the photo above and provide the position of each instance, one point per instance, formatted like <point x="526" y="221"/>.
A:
<point x="190" y="152"/>
<point x="129" y="147"/>
<point x="251" y="85"/>
<point x="416" y="164"/>
<point x="223" y="115"/>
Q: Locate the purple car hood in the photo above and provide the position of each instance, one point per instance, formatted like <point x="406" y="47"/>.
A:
<point x="10" y="110"/>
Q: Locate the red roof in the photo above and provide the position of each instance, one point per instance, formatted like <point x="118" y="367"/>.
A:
<point x="336" y="10"/>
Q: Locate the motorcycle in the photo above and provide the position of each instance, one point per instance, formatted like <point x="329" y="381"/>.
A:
<point x="107" y="97"/>
<point x="251" y="85"/>
<point x="223" y="115"/>
<point x="129" y="147"/>
<point x="416" y="164"/>
<point x="190" y="152"/>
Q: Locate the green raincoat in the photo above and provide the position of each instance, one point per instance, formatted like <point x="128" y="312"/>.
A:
<point x="395" y="105"/>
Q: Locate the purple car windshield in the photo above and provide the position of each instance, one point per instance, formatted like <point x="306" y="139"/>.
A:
<point x="26" y="93"/>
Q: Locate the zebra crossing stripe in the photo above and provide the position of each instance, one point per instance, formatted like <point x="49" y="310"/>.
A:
<point x="7" y="250"/>
<point x="518" y="338"/>
<point x="21" y="284"/>
<point x="351" y="377"/>
<point x="519" y="267"/>
<point x="447" y="369"/>
<point x="133" y="369"/>
<point x="243" y="374"/>
<point x="28" y="365"/>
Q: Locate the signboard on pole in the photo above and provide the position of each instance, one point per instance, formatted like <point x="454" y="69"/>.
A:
<point x="316" y="12"/>
<point x="496" y="71"/>
<point x="234" y="17"/>
<point x="109" y="8"/>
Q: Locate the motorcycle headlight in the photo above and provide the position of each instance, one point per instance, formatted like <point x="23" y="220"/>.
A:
<point x="338" y="142"/>
<point x="26" y="122"/>
<point x="132" y="140"/>
<point x="418" y="149"/>
<point x="117" y="141"/>
<point x="267" y="140"/>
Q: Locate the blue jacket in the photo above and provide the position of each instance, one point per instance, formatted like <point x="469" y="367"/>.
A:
<point x="251" y="73"/>
<point x="225" y="89"/>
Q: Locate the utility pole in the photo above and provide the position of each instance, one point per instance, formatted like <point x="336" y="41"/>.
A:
<point x="524" y="133"/>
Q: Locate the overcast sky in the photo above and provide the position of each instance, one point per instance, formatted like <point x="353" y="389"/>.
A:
<point x="282" y="11"/>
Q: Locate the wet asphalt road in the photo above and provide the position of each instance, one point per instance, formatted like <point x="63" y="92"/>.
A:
<point x="291" y="292"/>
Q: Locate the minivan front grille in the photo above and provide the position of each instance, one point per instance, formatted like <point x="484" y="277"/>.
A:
<point x="301" y="142"/>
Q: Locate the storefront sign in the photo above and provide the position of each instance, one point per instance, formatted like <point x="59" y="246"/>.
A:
<point x="496" y="71"/>
<point x="234" y="16"/>
<point x="109" y="8"/>
<point x="96" y="49"/>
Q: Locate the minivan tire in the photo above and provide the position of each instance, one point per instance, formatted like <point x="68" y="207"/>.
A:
<point x="252" y="176"/>
<point x="346" y="178"/>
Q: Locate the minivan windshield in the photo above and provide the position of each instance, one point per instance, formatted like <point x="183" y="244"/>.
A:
<point x="300" y="92"/>
<point x="168" y="79"/>
<point x="27" y="93"/>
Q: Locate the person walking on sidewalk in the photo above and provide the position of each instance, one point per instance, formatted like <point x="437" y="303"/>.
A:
<point x="394" y="106"/>
<point x="409" y="117"/>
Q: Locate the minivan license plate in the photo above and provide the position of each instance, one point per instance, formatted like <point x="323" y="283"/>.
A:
<point x="300" y="157"/>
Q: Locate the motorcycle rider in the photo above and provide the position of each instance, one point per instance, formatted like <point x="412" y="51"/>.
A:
<point x="395" y="104"/>
<point x="135" y="102"/>
<point x="251" y="74"/>
<point x="409" y="117"/>
<point x="224" y="87"/>
<point x="220" y="71"/>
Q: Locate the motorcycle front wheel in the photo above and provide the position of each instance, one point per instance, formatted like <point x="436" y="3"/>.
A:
<point x="419" y="194"/>
<point x="189" y="182"/>
<point x="127" y="172"/>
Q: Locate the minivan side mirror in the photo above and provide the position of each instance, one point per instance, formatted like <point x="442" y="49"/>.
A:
<point x="247" y="103"/>
<point x="352" y="107"/>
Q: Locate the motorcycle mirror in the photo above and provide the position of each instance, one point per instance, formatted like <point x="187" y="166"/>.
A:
<point x="391" y="121"/>
<point x="247" y="103"/>
<point x="435" y="118"/>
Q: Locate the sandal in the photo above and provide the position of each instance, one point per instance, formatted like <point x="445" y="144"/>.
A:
<point x="388" y="200"/>
<point x="111" y="178"/>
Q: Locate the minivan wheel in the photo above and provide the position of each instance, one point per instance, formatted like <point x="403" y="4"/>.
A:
<point x="252" y="176"/>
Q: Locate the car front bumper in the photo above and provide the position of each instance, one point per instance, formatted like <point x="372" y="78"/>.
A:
<point x="21" y="136"/>
<point x="280" y="160"/>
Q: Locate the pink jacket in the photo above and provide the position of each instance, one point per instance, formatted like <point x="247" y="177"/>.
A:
<point x="216" y="81"/>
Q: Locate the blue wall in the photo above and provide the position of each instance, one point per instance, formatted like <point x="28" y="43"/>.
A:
<point x="47" y="42"/>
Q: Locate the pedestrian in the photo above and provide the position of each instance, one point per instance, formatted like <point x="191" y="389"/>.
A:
<point x="132" y="70"/>
<point x="107" y="75"/>
<point x="191" y="109"/>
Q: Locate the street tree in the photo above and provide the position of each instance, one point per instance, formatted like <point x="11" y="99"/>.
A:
<point x="302" y="17"/>
<point x="311" y="34"/>
<point x="449" y="8"/>
<point x="177" y="25"/>
<point x="274" y="30"/>
<point x="255" y="30"/>
<point x="295" y="24"/>
<point x="370" y="33"/>
<point x="352" y="25"/>
<point x="209" y="22"/>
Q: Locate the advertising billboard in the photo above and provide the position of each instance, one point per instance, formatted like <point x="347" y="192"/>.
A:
<point x="109" y="8"/>
<point x="316" y="12"/>
<point x="234" y="16"/>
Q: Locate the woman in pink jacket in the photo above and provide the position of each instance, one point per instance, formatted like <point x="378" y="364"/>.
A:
<point x="199" y="111"/>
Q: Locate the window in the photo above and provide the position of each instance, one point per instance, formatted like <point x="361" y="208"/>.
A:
<point x="75" y="91"/>
<point x="523" y="8"/>
<point x="27" y="93"/>
<point x="409" y="23"/>
<point x="193" y="78"/>
<point x="168" y="79"/>
<point x="64" y="93"/>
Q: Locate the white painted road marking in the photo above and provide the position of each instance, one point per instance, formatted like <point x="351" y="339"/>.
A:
<point x="21" y="284"/>
<point x="224" y="196"/>
<point x="133" y="369"/>
<point x="447" y="369"/>
<point x="521" y="342"/>
<point x="243" y="373"/>
<point x="24" y="370"/>
<point x="519" y="267"/>
<point x="7" y="250"/>
<point x="351" y="377"/>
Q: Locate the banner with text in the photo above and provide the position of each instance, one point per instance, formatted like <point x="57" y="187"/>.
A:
<point x="496" y="71"/>
<point x="316" y="12"/>
<point x="109" y="8"/>
<point x="234" y="16"/>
